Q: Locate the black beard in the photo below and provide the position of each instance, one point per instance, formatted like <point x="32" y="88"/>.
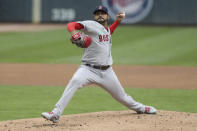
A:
<point x="101" y="21"/>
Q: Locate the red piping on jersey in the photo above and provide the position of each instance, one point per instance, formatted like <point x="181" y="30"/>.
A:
<point x="74" y="26"/>
<point x="77" y="26"/>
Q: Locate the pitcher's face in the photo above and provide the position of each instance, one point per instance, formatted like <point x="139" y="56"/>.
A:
<point x="101" y="17"/>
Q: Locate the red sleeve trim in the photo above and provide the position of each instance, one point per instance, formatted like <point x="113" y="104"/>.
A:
<point x="74" y="26"/>
<point x="113" y="26"/>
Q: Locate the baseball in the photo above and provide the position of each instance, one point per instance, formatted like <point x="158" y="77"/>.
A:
<point x="123" y="14"/>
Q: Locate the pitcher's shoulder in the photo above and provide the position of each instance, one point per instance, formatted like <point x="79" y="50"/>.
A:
<point x="91" y="26"/>
<point x="90" y="22"/>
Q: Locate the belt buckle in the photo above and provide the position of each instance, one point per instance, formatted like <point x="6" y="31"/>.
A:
<point x="100" y="67"/>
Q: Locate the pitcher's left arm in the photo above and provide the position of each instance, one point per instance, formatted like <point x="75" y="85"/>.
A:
<point x="119" y="17"/>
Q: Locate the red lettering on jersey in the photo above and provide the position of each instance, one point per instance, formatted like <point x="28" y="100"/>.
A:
<point x="106" y="38"/>
<point x="100" y="38"/>
<point x="103" y="38"/>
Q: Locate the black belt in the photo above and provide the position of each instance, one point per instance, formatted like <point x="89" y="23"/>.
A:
<point x="98" y="67"/>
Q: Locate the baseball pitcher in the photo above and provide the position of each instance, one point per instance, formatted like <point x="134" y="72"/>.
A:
<point x="96" y="66"/>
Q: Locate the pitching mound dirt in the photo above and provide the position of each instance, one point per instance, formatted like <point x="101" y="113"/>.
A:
<point x="110" y="120"/>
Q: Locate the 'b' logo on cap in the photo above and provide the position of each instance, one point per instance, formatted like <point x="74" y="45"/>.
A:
<point x="100" y="7"/>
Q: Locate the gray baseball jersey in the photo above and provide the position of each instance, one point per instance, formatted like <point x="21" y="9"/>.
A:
<point x="99" y="52"/>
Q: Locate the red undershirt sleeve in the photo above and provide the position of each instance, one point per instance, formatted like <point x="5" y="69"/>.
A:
<point x="113" y="26"/>
<point x="74" y="26"/>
